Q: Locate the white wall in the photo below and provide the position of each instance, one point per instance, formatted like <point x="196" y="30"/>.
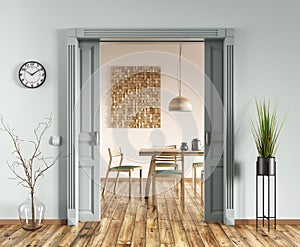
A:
<point x="267" y="64"/>
<point x="175" y="127"/>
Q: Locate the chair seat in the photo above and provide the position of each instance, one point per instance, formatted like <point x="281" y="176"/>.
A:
<point x="165" y="164"/>
<point x="198" y="164"/>
<point x="118" y="168"/>
<point x="168" y="172"/>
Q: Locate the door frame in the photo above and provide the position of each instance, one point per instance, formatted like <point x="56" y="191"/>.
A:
<point x="75" y="36"/>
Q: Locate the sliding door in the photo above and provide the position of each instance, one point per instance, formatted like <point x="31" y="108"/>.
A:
<point x="89" y="126"/>
<point x="214" y="114"/>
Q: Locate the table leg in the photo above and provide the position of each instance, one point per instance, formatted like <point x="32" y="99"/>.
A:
<point x="182" y="181"/>
<point x="149" y="178"/>
<point x="153" y="188"/>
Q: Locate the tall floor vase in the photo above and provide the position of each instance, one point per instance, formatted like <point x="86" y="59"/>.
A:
<point x="31" y="213"/>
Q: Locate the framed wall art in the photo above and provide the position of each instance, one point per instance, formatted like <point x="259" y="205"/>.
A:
<point x="135" y="97"/>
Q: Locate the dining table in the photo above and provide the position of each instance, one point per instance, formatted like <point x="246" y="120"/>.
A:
<point x="153" y="152"/>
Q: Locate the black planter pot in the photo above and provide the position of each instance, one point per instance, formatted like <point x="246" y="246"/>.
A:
<point x="265" y="166"/>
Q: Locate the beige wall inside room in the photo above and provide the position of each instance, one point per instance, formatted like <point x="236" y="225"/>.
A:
<point x="175" y="127"/>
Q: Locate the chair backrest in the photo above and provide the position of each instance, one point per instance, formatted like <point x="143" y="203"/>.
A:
<point x="167" y="158"/>
<point x="113" y="152"/>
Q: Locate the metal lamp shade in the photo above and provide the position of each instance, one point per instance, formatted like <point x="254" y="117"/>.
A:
<point x="180" y="103"/>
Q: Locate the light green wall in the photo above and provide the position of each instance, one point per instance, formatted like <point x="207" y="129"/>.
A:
<point x="267" y="64"/>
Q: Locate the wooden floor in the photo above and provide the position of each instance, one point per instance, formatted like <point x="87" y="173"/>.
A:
<point x="136" y="222"/>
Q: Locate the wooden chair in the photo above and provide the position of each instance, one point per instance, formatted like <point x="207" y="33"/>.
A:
<point x="165" y="172"/>
<point x="114" y="153"/>
<point x="166" y="161"/>
<point x="195" y="166"/>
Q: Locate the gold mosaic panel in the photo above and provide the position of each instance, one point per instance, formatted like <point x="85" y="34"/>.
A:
<point x="135" y="97"/>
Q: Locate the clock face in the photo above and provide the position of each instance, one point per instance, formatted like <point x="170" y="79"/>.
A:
<point x="32" y="74"/>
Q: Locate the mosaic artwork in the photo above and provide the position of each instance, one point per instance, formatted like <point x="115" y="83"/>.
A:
<point x="135" y="97"/>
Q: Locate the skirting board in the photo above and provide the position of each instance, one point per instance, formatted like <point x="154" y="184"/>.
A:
<point x="145" y="179"/>
<point x="278" y="221"/>
<point x="46" y="222"/>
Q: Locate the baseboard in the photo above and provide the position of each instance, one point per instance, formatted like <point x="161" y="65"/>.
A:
<point x="278" y="221"/>
<point x="46" y="222"/>
<point x="144" y="179"/>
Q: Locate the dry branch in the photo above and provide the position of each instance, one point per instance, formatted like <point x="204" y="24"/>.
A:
<point x="30" y="171"/>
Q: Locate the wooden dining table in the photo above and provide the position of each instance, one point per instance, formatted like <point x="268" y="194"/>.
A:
<point x="153" y="152"/>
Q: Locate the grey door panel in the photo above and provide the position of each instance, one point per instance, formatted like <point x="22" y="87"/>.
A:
<point x="214" y="144"/>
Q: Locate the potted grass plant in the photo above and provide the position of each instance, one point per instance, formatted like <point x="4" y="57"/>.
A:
<point x="265" y="132"/>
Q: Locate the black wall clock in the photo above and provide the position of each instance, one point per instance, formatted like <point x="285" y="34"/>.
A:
<point x="32" y="74"/>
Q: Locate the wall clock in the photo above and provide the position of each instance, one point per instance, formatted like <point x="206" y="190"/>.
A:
<point x="32" y="74"/>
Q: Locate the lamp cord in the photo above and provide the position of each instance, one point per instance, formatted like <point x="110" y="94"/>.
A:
<point x="179" y="70"/>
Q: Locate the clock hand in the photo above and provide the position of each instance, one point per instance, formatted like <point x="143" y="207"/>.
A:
<point x="36" y="71"/>
<point x="28" y="72"/>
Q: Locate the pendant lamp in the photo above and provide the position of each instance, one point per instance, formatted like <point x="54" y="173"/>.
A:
<point x="180" y="103"/>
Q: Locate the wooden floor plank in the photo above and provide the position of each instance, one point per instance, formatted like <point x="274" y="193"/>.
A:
<point x="276" y="236"/>
<point x="8" y="231"/>
<point x="261" y="236"/>
<point x="220" y="235"/>
<point x="16" y="237"/>
<point x="152" y="227"/>
<point x="100" y="232"/>
<point x="126" y="230"/>
<point x="291" y="236"/>
<point x="188" y="223"/>
<point x="72" y="234"/>
<point x="248" y="237"/>
<point x="293" y="229"/>
<point x="180" y="237"/>
<point x="234" y="236"/>
<point x="165" y="229"/>
<point x="117" y="216"/>
<point x="138" y="222"/>
<point x="139" y="231"/>
<point x="103" y="228"/>
<point x="113" y="233"/>
<point x="195" y="209"/>
<point x="85" y="234"/>
<point x="206" y="235"/>
<point x="39" y="237"/>
<point x="56" y="236"/>
<point x="127" y="227"/>
<point x="194" y="238"/>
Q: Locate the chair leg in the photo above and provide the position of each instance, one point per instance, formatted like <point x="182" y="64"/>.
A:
<point x="117" y="180"/>
<point x="194" y="178"/>
<point x="175" y="185"/>
<point x="175" y="180"/>
<point x="148" y="183"/>
<point x="182" y="189"/>
<point x="141" y="180"/>
<point x="105" y="181"/>
<point x="129" y="184"/>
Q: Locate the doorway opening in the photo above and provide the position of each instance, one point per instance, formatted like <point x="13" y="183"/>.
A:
<point x="174" y="128"/>
<point x="84" y="115"/>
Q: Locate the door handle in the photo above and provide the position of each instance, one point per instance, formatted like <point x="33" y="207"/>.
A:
<point x="207" y="138"/>
<point x="96" y="138"/>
